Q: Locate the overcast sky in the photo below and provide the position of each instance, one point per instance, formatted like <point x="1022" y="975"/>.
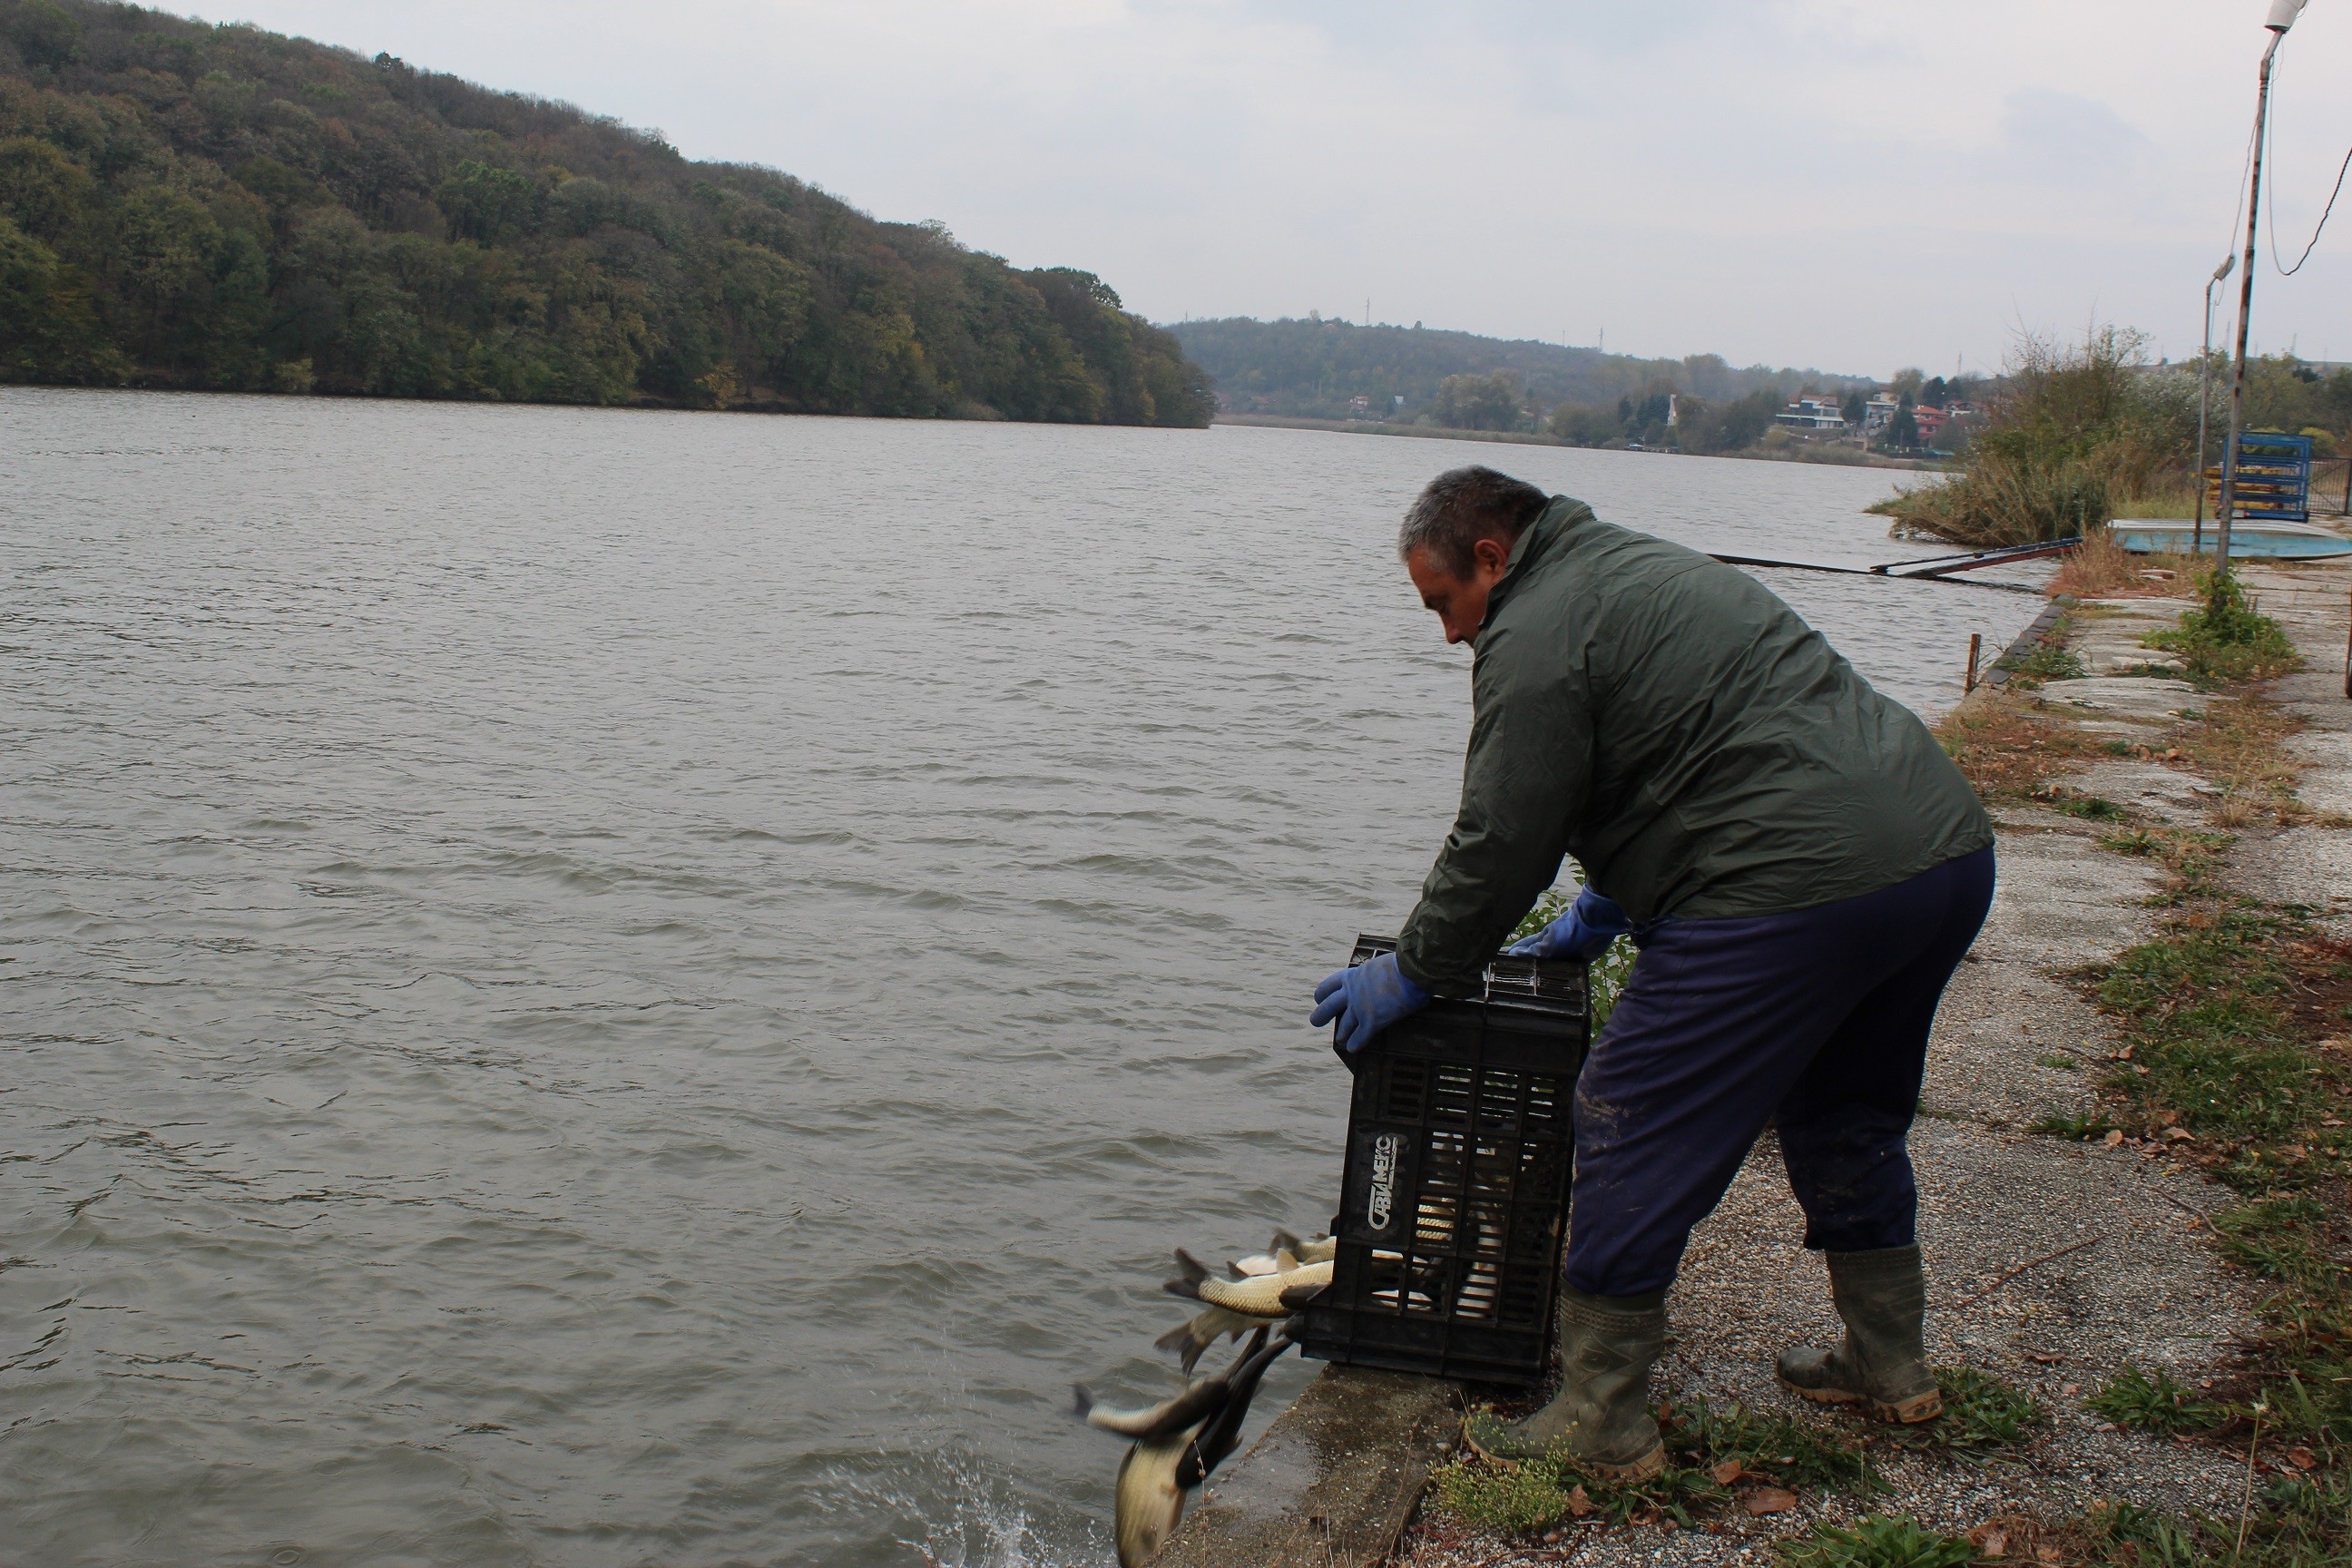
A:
<point x="1851" y="185"/>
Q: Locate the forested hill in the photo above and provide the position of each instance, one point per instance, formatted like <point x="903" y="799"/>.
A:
<point x="189" y="206"/>
<point x="1318" y="366"/>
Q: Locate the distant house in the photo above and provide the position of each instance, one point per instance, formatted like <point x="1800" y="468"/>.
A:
<point x="1930" y="422"/>
<point x="1878" y="413"/>
<point x="1359" y="407"/>
<point x="1813" y="414"/>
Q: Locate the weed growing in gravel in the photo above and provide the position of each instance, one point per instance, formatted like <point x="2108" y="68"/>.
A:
<point x="1517" y="1499"/>
<point x="2229" y="642"/>
<point x="2092" y="807"/>
<point x="2190" y="856"/>
<point x="1712" y="1456"/>
<point x="1877" y="1541"/>
<point x="2057" y="1063"/>
<point x="2145" y="1403"/>
<point x="2295" y="1521"/>
<point x="2076" y="1128"/>
<point x="1784" y="1449"/>
<point x="2005" y="747"/>
<point x="1535" y="1494"/>
<point x="2221" y="1009"/>
<point x="1981" y="1414"/>
<point x="2047" y="658"/>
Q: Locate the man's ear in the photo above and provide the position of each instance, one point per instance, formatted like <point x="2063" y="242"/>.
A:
<point x="1492" y="553"/>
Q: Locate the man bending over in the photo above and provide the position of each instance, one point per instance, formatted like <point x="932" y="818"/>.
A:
<point x="1802" y="868"/>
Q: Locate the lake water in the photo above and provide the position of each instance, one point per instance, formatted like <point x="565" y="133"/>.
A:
<point x="598" y="987"/>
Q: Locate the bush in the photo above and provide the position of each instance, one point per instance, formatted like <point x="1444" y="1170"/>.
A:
<point x="2078" y="430"/>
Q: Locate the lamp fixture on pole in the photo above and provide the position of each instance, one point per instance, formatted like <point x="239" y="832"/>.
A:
<point x="2282" y="17"/>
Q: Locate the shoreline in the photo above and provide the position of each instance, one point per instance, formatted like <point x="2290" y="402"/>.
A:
<point x="1536" y="438"/>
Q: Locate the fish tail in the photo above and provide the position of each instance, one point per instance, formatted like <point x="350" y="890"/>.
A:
<point x="1188" y="1284"/>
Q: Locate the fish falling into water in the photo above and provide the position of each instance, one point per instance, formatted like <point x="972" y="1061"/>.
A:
<point x="1179" y="1443"/>
<point x="1255" y="1296"/>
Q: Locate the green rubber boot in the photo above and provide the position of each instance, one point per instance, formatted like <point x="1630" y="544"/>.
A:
<point x="1883" y="1365"/>
<point x="1600" y="1421"/>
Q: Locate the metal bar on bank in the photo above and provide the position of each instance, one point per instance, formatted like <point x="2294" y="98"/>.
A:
<point x="1943" y="565"/>
<point x="1871" y="572"/>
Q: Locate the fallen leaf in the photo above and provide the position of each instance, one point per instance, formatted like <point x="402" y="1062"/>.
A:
<point x="2180" y="1134"/>
<point x="2125" y="1055"/>
<point x="2070" y="1389"/>
<point x="1580" y="1506"/>
<point x="2049" y="1554"/>
<point x="1990" y="1539"/>
<point x="1768" y="1499"/>
<point x="2115" y="1138"/>
<point x="2168" y="1119"/>
<point x="2294" y="1151"/>
<point x="2303" y="1458"/>
<point x="1727" y="1472"/>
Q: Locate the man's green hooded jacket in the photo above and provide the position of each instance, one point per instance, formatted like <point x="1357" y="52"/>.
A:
<point x="1700" y="748"/>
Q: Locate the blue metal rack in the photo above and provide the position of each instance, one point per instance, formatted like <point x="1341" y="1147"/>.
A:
<point x="2273" y="481"/>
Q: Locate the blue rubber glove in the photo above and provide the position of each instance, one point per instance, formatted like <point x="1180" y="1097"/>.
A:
<point x="1592" y="923"/>
<point x="1366" y="999"/>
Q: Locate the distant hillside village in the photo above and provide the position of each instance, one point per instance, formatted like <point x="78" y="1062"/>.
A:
<point x="1327" y="369"/>
<point x="1911" y="418"/>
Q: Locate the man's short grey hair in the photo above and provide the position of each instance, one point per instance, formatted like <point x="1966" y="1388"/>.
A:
<point x="1462" y="506"/>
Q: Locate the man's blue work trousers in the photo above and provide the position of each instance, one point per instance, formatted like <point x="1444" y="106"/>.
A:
<point x="1817" y="1019"/>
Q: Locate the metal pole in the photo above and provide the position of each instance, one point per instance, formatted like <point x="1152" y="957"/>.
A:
<point x="2229" y="503"/>
<point x="2204" y="401"/>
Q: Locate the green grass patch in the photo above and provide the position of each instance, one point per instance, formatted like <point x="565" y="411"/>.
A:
<point x="2092" y="807"/>
<point x="1981" y="1414"/>
<point x="1785" y="1450"/>
<point x="2142" y="1403"/>
<point x="2219" y="1016"/>
<point x="2057" y="1063"/>
<point x="2209" y="1010"/>
<point x="1876" y="1541"/>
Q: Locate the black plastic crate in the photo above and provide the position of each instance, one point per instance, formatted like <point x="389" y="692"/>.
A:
<point x="1460" y="1140"/>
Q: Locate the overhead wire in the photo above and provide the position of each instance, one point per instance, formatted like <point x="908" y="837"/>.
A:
<point x="2277" y="259"/>
<point x="2284" y="270"/>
